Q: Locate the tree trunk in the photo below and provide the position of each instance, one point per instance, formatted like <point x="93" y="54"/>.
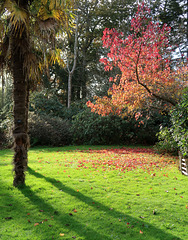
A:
<point x="84" y="75"/>
<point x="20" y="112"/>
<point x="73" y="67"/>
<point x="20" y="130"/>
<point x="69" y="90"/>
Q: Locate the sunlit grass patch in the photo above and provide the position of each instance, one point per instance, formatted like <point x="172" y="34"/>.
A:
<point x="94" y="193"/>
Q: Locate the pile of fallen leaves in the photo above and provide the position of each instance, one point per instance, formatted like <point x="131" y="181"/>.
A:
<point x="126" y="159"/>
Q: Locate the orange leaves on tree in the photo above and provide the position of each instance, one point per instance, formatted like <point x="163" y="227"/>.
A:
<point x="144" y="61"/>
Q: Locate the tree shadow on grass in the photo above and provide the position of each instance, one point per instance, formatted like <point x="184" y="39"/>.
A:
<point x="63" y="217"/>
<point x="151" y="230"/>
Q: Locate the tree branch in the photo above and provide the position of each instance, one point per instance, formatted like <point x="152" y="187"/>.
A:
<point x="161" y="98"/>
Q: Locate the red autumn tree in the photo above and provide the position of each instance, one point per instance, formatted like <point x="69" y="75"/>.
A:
<point x="144" y="61"/>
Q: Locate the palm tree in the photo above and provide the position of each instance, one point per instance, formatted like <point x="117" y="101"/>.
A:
<point x="27" y="39"/>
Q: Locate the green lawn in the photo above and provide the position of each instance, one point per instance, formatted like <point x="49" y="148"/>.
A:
<point x="88" y="193"/>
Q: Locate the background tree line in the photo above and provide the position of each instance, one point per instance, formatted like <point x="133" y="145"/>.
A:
<point x="49" y="100"/>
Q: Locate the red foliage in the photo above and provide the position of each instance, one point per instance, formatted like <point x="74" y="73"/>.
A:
<point x="144" y="61"/>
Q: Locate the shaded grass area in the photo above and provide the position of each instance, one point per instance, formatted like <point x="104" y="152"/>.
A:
<point x="87" y="193"/>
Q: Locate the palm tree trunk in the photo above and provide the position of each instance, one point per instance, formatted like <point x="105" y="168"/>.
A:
<point x="20" y="130"/>
<point x="18" y="41"/>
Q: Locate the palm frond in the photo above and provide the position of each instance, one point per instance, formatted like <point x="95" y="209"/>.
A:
<point x="2" y="30"/>
<point x="44" y="13"/>
<point x="48" y="25"/>
<point x="2" y="6"/>
<point x="61" y="4"/>
<point x="55" y="56"/>
<point x="54" y="4"/>
<point x="41" y="23"/>
<point x="31" y="63"/>
<point x="44" y="2"/>
<point x="18" y="16"/>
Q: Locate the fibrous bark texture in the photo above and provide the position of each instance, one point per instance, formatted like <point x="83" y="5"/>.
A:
<point x="21" y="98"/>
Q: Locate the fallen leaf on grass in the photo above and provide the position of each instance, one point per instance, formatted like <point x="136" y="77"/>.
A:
<point x="29" y="221"/>
<point x="70" y="214"/>
<point x="75" y="210"/>
<point x="61" y="234"/>
<point x="124" y="159"/>
<point x="8" y="218"/>
<point x="141" y="232"/>
<point x="41" y="210"/>
<point x="36" y="224"/>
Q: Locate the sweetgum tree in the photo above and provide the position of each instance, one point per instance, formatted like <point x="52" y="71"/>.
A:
<point x="143" y="58"/>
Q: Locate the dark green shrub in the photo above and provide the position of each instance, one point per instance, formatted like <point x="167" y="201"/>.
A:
<point x="6" y="119"/>
<point x="91" y="128"/>
<point x="48" y="103"/>
<point x="6" y="124"/>
<point x="175" y="137"/>
<point x="144" y="129"/>
<point x="2" y="138"/>
<point x="45" y="130"/>
<point x="166" y="142"/>
<point x="179" y="118"/>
